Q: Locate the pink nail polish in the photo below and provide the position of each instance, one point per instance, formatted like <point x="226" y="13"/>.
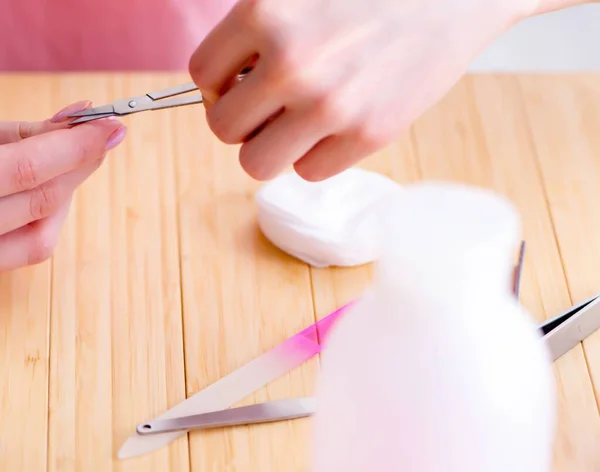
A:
<point x="63" y="114"/>
<point x="116" y="137"/>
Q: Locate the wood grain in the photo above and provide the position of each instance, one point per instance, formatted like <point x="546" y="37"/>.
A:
<point x="241" y="296"/>
<point x="24" y="323"/>
<point x="162" y="283"/>
<point x="116" y="338"/>
<point x="568" y="145"/>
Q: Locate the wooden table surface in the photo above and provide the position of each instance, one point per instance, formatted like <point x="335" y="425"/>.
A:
<point x="162" y="283"/>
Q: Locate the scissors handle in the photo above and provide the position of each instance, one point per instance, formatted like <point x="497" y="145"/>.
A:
<point x="253" y="414"/>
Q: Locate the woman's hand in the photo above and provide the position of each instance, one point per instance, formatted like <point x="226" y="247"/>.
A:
<point x="41" y="165"/>
<point x="335" y="80"/>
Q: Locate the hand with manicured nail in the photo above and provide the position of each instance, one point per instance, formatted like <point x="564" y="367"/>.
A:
<point x="41" y="165"/>
<point x="336" y="80"/>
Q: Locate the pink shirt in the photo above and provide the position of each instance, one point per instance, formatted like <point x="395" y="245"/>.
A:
<point x="67" y="35"/>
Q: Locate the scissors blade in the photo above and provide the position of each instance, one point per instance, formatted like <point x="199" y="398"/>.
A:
<point x="267" y="412"/>
<point x="158" y="100"/>
<point x="568" y="329"/>
<point x="85" y="119"/>
<point x="103" y="110"/>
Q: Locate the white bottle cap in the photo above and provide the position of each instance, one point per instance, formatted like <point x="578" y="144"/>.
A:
<point x="445" y="237"/>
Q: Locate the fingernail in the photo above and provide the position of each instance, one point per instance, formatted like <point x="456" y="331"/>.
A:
<point x="63" y="115"/>
<point x="116" y="137"/>
<point x="208" y="97"/>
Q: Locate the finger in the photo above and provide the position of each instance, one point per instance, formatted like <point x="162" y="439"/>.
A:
<point x="13" y="131"/>
<point x="253" y="97"/>
<point x="333" y="155"/>
<point x="223" y="53"/>
<point x="281" y="143"/>
<point x="33" y="243"/>
<point x="23" y="208"/>
<point x="29" y="163"/>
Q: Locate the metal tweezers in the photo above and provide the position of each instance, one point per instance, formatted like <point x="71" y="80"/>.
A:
<point x="560" y="334"/>
<point x="567" y="330"/>
<point x="159" y="100"/>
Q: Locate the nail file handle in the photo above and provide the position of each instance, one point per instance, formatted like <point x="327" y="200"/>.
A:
<point x="252" y="414"/>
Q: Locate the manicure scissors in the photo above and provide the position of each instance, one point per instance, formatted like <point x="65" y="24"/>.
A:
<point x="159" y="100"/>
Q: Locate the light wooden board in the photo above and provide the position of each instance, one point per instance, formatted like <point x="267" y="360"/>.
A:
<point x="162" y="282"/>
<point x="563" y="119"/>
<point x="24" y="326"/>
<point x="241" y="297"/>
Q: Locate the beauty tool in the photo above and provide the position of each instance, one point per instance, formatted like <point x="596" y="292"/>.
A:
<point x="152" y="101"/>
<point x="239" y="384"/>
<point x="560" y="333"/>
<point x="266" y="412"/>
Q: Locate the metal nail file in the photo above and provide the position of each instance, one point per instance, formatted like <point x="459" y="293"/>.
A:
<point x="239" y="384"/>
<point x="267" y="412"/>
<point x="561" y="334"/>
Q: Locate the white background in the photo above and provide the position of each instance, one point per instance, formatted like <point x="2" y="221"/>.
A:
<point x="560" y="41"/>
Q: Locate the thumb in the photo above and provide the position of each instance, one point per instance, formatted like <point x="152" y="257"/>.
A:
<point x="13" y="131"/>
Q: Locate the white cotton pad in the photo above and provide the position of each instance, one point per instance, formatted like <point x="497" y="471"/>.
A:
<point x="335" y="222"/>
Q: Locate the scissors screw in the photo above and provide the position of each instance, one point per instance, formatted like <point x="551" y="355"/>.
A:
<point x="132" y="104"/>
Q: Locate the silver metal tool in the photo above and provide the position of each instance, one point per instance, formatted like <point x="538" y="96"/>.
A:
<point x="519" y="270"/>
<point x="560" y="334"/>
<point x="159" y="100"/>
<point x="268" y="412"/>
<point x="565" y="331"/>
<point x="151" y="101"/>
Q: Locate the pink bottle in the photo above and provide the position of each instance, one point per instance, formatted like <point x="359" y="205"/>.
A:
<point x="438" y="368"/>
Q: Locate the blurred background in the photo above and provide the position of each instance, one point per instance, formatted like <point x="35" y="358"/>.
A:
<point x="559" y="41"/>
<point x="129" y="35"/>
